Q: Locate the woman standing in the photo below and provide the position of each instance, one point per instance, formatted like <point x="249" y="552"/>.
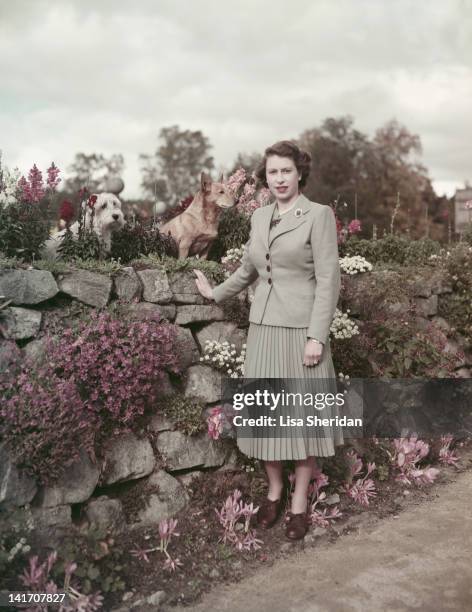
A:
<point x="293" y="250"/>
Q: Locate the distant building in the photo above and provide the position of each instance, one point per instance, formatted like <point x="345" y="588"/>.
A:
<point x="462" y="215"/>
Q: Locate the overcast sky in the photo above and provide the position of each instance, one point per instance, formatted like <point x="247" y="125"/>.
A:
<point x="105" y="76"/>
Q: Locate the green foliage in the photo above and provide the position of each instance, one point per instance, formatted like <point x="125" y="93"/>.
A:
<point x="99" y="563"/>
<point x="403" y="351"/>
<point x="456" y="307"/>
<point x="212" y="269"/>
<point x="139" y="238"/>
<point x="87" y="246"/>
<point x="9" y="262"/>
<point x="56" y="266"/>
<point x="15" y="528"/>
<point x="419" y="251"/>
<point x="184" y="412"/>
<point x="392" y="248"/>
<point x="233" y="231"/>
<point x="23" y="229"/>
<point x="467" y="236"/>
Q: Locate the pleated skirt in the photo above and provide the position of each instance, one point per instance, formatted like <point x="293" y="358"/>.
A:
<point x="277" y="353"/>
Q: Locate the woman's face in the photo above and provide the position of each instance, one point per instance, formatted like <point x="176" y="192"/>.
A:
<point x="282" y="177"/>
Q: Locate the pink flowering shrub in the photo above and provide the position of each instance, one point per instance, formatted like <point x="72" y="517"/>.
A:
<point x="44" y="423"/>
<point x="116" y="364"/>
<point x="98" y="379"/>
<point x="244" y="190"/>
<point x="235" y="517"/>
<point x="24" y="224"/>
<point x="405" y="458"/>
<point x="36" y="578"/>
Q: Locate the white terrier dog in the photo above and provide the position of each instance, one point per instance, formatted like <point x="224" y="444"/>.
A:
<point x="107" y="217"/>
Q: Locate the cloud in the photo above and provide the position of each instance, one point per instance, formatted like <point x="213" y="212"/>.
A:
<point x="106" y="77"/>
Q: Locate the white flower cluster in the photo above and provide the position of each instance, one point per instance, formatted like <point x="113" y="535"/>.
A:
<point x="223" y="356"/>
<point x="354" y="264"/>
<point x="20" y="547"/>
<point x="233" y="255"/>
<point x="232" y="260"/>
<point x="342" y="326"/>
<point x="9" y="185"/>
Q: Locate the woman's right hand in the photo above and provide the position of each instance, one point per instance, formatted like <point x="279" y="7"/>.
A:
<point x="203" y="285"/>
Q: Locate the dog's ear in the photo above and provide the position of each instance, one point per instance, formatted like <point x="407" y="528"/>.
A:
<point x="205" y="182"/>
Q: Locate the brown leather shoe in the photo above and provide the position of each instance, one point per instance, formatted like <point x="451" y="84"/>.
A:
<point x="297" y="525"/>
<point x="269" y="512"/>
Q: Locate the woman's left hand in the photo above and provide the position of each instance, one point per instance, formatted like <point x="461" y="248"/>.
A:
<point x="313" y="352"/>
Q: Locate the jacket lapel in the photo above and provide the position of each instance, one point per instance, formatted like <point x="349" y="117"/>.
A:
<point x="294" y="219"/>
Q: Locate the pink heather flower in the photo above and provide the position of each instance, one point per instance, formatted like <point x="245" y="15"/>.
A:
<point x="354" y="226"/>
<point x="53" y="177"/>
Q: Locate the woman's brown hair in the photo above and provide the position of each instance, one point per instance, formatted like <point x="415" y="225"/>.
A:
<point x="286" y="148"/>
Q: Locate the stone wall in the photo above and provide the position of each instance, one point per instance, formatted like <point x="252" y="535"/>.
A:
<point x="89" y="493"/>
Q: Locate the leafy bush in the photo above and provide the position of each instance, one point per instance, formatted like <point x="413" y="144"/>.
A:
<point x="390" y="248"/>
<point x="233" y="231"/>
<point x="23" y="229"/>
<point x="86" y="246"/>
<point x="456" y="307"/>
<point x="141" y="238"/>
<point x="419" y="251"/>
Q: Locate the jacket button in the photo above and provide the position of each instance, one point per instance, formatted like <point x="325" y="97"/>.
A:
<point x="267" y="256"/>
<point x="268" y="268"/>
<point x="269" y="280"/>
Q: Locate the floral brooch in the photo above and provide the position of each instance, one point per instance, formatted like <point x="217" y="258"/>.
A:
<point x="298" y="213"/>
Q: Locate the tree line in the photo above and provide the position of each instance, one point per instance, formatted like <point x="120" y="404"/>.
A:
<point x="367" y="177"/>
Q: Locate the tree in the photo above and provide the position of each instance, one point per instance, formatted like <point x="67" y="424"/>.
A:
<point x="173" y="172"/>
<point x="92" y="171"/>
<point x="248" y="161"/>
<point x="375" y="173"/>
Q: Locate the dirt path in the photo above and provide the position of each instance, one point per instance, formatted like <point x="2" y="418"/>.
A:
<point x="419" y="560"/>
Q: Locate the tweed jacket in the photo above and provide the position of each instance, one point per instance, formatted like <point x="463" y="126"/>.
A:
<point x="298" y="269"/>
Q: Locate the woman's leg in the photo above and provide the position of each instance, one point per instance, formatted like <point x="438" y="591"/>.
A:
<point x="274" y="474"/>
<point x="303" y="474"/>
